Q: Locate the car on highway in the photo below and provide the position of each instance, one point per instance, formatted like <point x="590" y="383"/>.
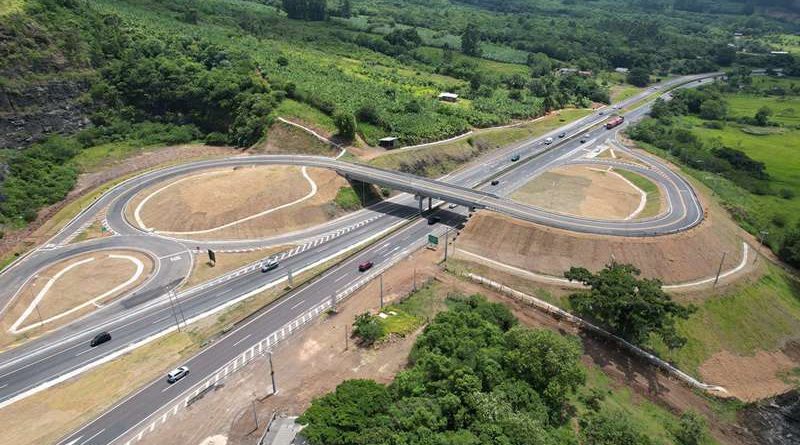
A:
<point x="602" y="113"/>
<point x="562" y="135"/>
<point x="271" y="264"/>
<point x="433" y="220"/>
<point x="177" y="374"/>
<point x="100" y="338"/>
<point x="452" y="206"/>
<point x="365" y="266"/>
<point x="548" y="141"/>
<point x="515" y="158"/>
<point x="495" y="182"/>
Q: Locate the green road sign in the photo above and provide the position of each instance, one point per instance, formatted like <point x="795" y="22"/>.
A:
<point x="433" y="239"/>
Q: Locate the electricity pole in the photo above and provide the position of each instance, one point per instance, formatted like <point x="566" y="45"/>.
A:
<point x="761" y="235"/>
<point x="272" y="373"/>
<point x="381" y="279"/>
<point x="719" y="271"/>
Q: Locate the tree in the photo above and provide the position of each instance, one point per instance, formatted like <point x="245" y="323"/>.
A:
<point x="716" y="109"/>
<point x="346" y="124"/>
<point x="762" y="116"/>
<point x="471" y="40"/>
<point x="790" y="248"/>
<point x="540" y="64"/>
<point x="611" y="428"/>
<point x="346" y="9"/>
<point x="630" y="307"/>
<point x="368" y="328"/>
<point x="638" y="76"/>
<point x="691" y="430"/>
<point x="310" y="10"/>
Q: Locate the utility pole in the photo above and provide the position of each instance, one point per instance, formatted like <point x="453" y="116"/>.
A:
<point x="272" y="373"/>
<point x="446" y="238"/>
<point x="180" y="309"/>
<point x="761" y="235"/>
<point x="346" y="338"/>
<point x="415" y="277"/>
<point x="255" y="414"/>
<point x="174" y="313"/>
<point x="719" y="271"/>
<point x="381" y="279"/>
<point x="41" y="322"/>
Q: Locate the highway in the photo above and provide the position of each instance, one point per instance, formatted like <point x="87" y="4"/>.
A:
<point x="146" y="313"/>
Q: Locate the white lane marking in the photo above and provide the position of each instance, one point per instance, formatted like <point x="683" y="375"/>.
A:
<point x="642" y="195"/>
<point x="340" y="279"/>
<point x="41" y="294"/>
<point x="131" y="280"/>
<point x="93" y="436"/>
<point x="3" y="386"/>
<point x="310" y="195"/>
<point x="161" y="319"/>
<point x="83" y="352"/>
<point x="73" y="442"/>
<point x="243" y="339"/>
<point x="298" y="304"/>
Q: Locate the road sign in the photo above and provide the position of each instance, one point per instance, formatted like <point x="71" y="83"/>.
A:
<point x="212" y="256"/>
<point x="433" y="239"/>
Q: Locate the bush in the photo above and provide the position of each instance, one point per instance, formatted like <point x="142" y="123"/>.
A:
<point x="691" y="430"/>
<point x="216" y="138"/>
<point x="367" y="328"/>
<point x="787" y="193"/>
<point x="345" y="125"/>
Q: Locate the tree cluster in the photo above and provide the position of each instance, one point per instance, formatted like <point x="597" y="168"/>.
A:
<point x="476" y="377"/>
<point x="309" y="10"/>
<point x="629" y="306"/>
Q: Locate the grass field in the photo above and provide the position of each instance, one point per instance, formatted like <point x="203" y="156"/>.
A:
<point x="653" y="192"/>
<point x="439" y="159"/>
<point x="747" y="318"/>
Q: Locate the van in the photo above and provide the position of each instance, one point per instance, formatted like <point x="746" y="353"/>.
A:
<point x="548" y="141"/>
<point x="100" y="338"/>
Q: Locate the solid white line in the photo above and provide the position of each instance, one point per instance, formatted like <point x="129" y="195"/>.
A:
<point x="298" y="304"/>
<point x="160" y="319"/>
<point x="244" y="338"/>
<point x="93" y="436"/>
<point x="83" y="352"/>
<point x="642" y="194"/>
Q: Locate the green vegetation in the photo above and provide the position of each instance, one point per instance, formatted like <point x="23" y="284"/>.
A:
<point x="633" y="308"/>
<point x="439" y="159"/>
<point x="476" y="377"/>
<point x="745" y="146"/>
<point x="748" y="318"/>
<point x="347" y="199"/>
<point x="653" y="204"/>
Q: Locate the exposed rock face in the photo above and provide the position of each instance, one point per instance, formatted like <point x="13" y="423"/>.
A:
<point x="775" y="421"/>
<point x="34" y="112"/>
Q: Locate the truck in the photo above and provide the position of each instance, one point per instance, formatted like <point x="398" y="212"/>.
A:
<point x="614" y="122"/>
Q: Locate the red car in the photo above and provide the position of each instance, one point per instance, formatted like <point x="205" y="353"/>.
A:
<point x="366" y="265"/>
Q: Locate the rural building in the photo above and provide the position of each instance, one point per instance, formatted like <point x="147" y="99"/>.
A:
<point x="389" y="142"/>
<point x="448" y="97"/>
<point x="621" y="70"/>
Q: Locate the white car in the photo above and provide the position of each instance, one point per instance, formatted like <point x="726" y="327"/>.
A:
<point x="177" y="374"/>
<point x="272" y="263"/>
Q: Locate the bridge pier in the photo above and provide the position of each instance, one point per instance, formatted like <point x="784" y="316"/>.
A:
<point x="430" y="203"/>
<point x="420" y="198"/>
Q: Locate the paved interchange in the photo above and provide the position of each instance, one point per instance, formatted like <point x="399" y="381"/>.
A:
<point x="146" y="314"/>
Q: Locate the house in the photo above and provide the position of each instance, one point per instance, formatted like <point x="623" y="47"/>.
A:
<point x="779" y="53"/>
<point x="621" y="70"/>
<point x="389" y="142"/>
<point x="567" y="70"/>
<point x="448" y="97"/>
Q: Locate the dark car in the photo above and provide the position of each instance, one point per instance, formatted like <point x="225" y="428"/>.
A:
<point x="515" y="158"/>
<point x="433" y="220"/>
<point x="495" y="182"/>
<point x="562" y="135"/>
<point x="366" y="265"/>
<point x="100" y="338"/>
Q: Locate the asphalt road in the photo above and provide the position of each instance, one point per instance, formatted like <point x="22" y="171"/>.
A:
<point x="147" y="312"/>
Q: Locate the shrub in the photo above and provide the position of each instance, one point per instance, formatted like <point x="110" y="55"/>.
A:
<point x="367" y="328"/>
<point x="787" y="193"/>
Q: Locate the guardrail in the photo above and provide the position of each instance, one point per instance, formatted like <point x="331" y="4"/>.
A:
<point x="561" y="314"/>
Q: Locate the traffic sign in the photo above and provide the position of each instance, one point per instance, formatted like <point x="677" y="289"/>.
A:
<point x="433" y="239"/>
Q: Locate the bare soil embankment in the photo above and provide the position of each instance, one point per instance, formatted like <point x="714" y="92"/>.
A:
<point x="224" y="204"/>
<point x="679" y="258"/>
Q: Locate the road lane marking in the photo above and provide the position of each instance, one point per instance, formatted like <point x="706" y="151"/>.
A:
<point x="298" y="304"/>
<point x="161" y="319"/>
<point x="243" y="339"/>
<point x="92" y="437"/>
<point x="83" y="352"/>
